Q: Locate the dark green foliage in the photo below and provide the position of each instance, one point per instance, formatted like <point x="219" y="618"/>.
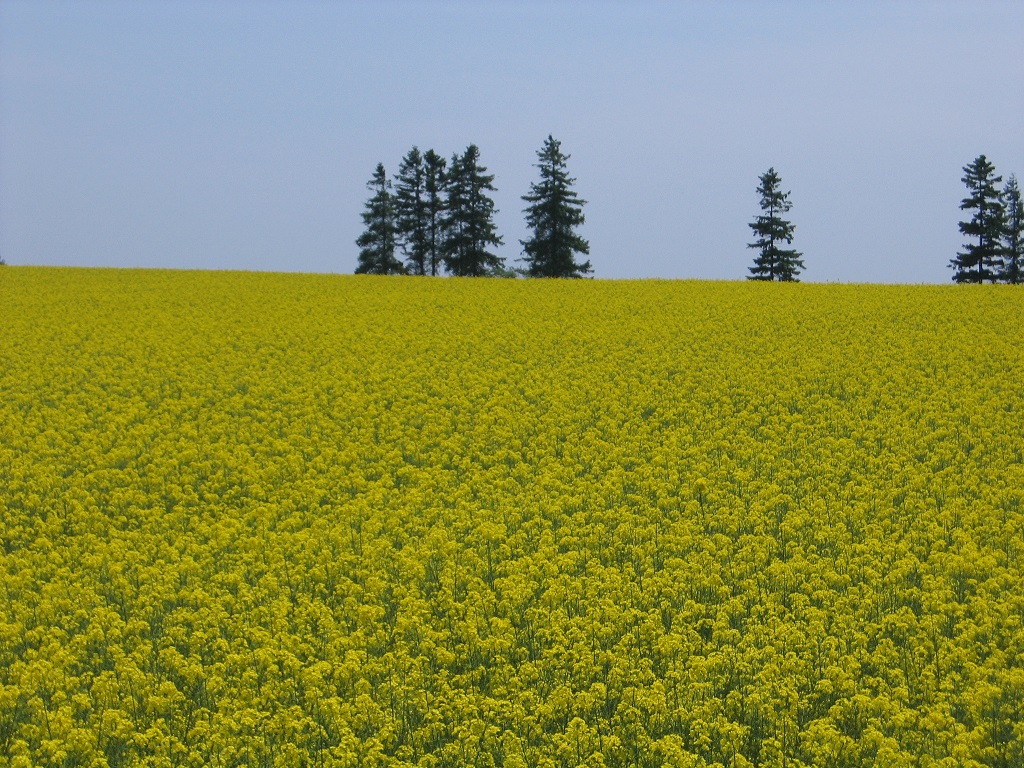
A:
<point x="1013" y="236"/>
<point x="469" y="224"/>
<point x="982" y="260"/>
<point x="411" y="212"/>
<point x="773" y="262"/>
<point x="554" y="211"/>
<point x="435" y="183"/>
<point x="378" y="242"/>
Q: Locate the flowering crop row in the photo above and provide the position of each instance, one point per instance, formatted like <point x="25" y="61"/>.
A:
<point x="284" y="520"/>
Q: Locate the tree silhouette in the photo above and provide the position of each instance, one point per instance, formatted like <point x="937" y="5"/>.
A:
<point x="435" y="184"/>
<point x="411" y="212"/>
<point x="554" y="212"/>
<point x="377" y="243"/>
<point x="773" y="262"/>
<point x="469" y="220"/>
<point x="982" y="260"/>
<point x="1013" y="239"/>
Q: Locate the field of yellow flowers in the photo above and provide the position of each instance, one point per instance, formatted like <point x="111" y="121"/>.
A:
<point x="294" y="520"/>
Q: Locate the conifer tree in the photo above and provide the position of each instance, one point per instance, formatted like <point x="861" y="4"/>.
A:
<point x="773" y="262"/>
<point x="435" y="184"/>
<point x="554" y="211"/>
<point x="377" y="243"/>
<point x="469" y="223"/>
<point x="982" y="260"/>
<point x="411" y="212"/>
<point x="1013" y="238"/>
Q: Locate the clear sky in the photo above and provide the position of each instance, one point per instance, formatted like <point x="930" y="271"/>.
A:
<point x="240" y="135"/>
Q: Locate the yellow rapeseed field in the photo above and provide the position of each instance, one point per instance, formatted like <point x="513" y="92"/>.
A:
<point x="293" y="520"/>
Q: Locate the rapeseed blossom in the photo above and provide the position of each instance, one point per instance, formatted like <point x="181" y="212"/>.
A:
<point x="256" y="519"/>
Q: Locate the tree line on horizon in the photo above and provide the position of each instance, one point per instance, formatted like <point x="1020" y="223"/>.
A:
<point x="998" y="254"/>
<point x="440" y="218"/>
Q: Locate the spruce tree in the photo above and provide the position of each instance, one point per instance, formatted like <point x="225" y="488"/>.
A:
<point x="469" y="223"/>
<point x="982" y="260"/>
<point x="411" y="212"/>
<point x="773" y="262"/>
<point x="435" y="184"/>
<point x="1013" y="234"/>
<point x="377" y="243"/>
<point x="554" y="211"/>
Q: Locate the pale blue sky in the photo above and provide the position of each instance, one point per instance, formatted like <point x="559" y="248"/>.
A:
<point x="216" y="134"/>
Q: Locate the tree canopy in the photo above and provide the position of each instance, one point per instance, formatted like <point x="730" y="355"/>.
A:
<point x="411" y="211"/>
<point x="435" y="185"/>
<point x="441" y="217"/>
<point x="1013" y="245"/>
<point x="554" y="212"/>
<point x="469" y="229"/>
<point x="982" y="260"/>
<point x="379" y="240"/>
<point x="773" y="262"/>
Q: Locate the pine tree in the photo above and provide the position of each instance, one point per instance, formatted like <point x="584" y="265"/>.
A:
<point x="1013" y="234"/>
<point x="411" y="212"/>
<point x="435" y="185"/>
<point x="554" y="211"/>
<point x="377" y="243"/>
<point x="774" y="263"/>
<point x="469" y="223"/>
<point x="982" y="260"/>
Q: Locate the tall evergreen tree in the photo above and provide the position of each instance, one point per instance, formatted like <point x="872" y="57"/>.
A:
<point x="554" y="211"/>
<point x="411" y="212"/>
<point x="435" y="185"/>
<point x="773" y="262"/>
<point x="1013" y="237"/>
<point x="982" y="260"/>
<point x="378" y="242"/>
<point x="469" y="222"/>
